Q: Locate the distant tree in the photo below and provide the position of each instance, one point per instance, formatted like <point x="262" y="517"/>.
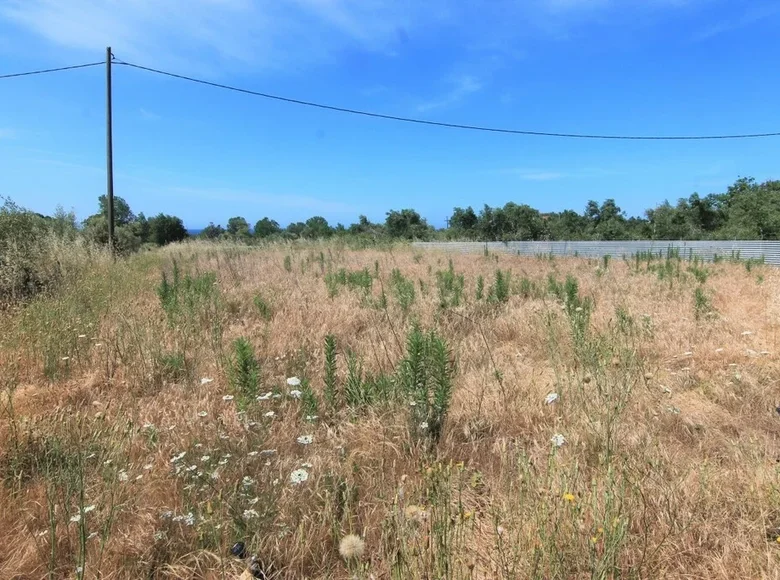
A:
<point x="464" y="220"/>
<point x="296" y="229"/>
<point x="122" y="213"/>
<point x="406" y="223"/>
<point x="317" y="227"/>
<point x="238" y="227"/>
<point x="166" y="229"/>
<point x="212" y="232"/>
<point x="266" y="227"/>
<point x="64" y="224"/>
<point x="141" y="228"/>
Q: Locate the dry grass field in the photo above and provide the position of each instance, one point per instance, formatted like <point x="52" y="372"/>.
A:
<point x="392" y="414"/>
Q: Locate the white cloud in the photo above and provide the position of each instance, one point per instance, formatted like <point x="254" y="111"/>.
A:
<point x="148" y="115"/>
<point x="462" y="87"/>
<point x="225" y="35"/>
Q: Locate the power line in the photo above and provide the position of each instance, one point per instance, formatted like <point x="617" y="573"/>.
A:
<point x="50" y="70"/>
<point x="443" y="124"/>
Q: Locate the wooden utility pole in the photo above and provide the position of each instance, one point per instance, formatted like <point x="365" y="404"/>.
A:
<point x="109" y="156"/>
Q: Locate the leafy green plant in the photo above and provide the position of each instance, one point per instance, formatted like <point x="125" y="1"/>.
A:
<point x="450" y="287"/>
<point x="403" y="290"/>
<point x="499" y="291"/>
<point x="426" y="377"/>
<point x="263" y="307"/>
<point x="244" y="373"/>
<point x="480" y="293"/>
<point x="288" y="263"/>
<point x="702" y="305"/>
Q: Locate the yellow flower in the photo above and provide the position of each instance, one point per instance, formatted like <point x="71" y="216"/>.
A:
<point x="568" y="497"/>
<point x="467" y="515"/>
<point x="778" y="539"/>
<point x="594" y="539"/>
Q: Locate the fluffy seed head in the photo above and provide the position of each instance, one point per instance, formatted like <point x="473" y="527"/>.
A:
<point x="351" y="546"/>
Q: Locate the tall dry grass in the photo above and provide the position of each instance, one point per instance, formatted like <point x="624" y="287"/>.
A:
<point x="665" y="405"/>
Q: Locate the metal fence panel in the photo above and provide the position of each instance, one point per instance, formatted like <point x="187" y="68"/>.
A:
<point x="769" y="251"/>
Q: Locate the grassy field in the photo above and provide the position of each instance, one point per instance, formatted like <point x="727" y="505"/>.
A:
<point x="392" y="414"/>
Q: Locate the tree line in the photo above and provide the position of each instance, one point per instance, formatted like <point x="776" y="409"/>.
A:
<point x="746" y="210"/>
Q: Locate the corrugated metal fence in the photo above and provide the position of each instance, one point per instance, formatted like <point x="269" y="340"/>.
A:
<point x="769" y="251"/>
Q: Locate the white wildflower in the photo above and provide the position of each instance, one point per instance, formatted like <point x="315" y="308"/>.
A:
<point x="192" y="468"/>
<point x="247" y="481"/>
<point x="551" y="398"/>
<point x="276" y="396"/>
<point x="293" y="381"/>
<point x="253" y="453"/>
<point x="557" y="440"/>
<point x="178" y="457"/>
<point x="254" y="500"/>
<point x="76" y="518"/>
<point x="189" y="519"/>
<point x="269" y="414"/>
<point x="89" y="508"/>
<point x="275" y="481"/>
<point x="423" y="425"/>
<point x="227" y="398"/>
<point x="299" y="476"/>
<point x="205" y="458"/>
<point x="305" y="439"/>
<point x="166" y="515"/>
<point x="122" y="476"/>
<point x="139" y="477"/>
<point x="296" y="394"/>
<point x="198" y="445"/>
<point x="249" y="514"/>
<point x="264" y="397"/>
<point x="202" y="413"/>
<point x="307" y="465"/>
<point x="311" y="417"/>
<point x="206" y="381"/>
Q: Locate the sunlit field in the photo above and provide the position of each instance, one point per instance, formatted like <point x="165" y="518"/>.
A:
<point x="313" y="411"/>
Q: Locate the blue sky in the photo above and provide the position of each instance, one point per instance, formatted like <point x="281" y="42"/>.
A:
<point x="590" y="66"/>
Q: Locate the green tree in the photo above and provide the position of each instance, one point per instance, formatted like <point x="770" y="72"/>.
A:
<point x="464" y="220"/>
<point x="266" y="227"/>
<point x="122" y="213"/>
<point x="317" y="227"/>
<point x="406" y="223"/>
<point x="296" y="229"/>
<point x="212" y="232"/>
<point x="238" y="227"/>
<point x="166" y="229"/>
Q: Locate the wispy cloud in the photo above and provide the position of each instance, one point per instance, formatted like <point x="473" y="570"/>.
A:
<point x="148" y="115"/>
<point x="462" y="87"/>
<point x="229" y="35"/>
<point x="752" y="14"/>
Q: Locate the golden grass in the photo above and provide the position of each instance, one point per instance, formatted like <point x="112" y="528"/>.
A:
<point x="669" y="470"/>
